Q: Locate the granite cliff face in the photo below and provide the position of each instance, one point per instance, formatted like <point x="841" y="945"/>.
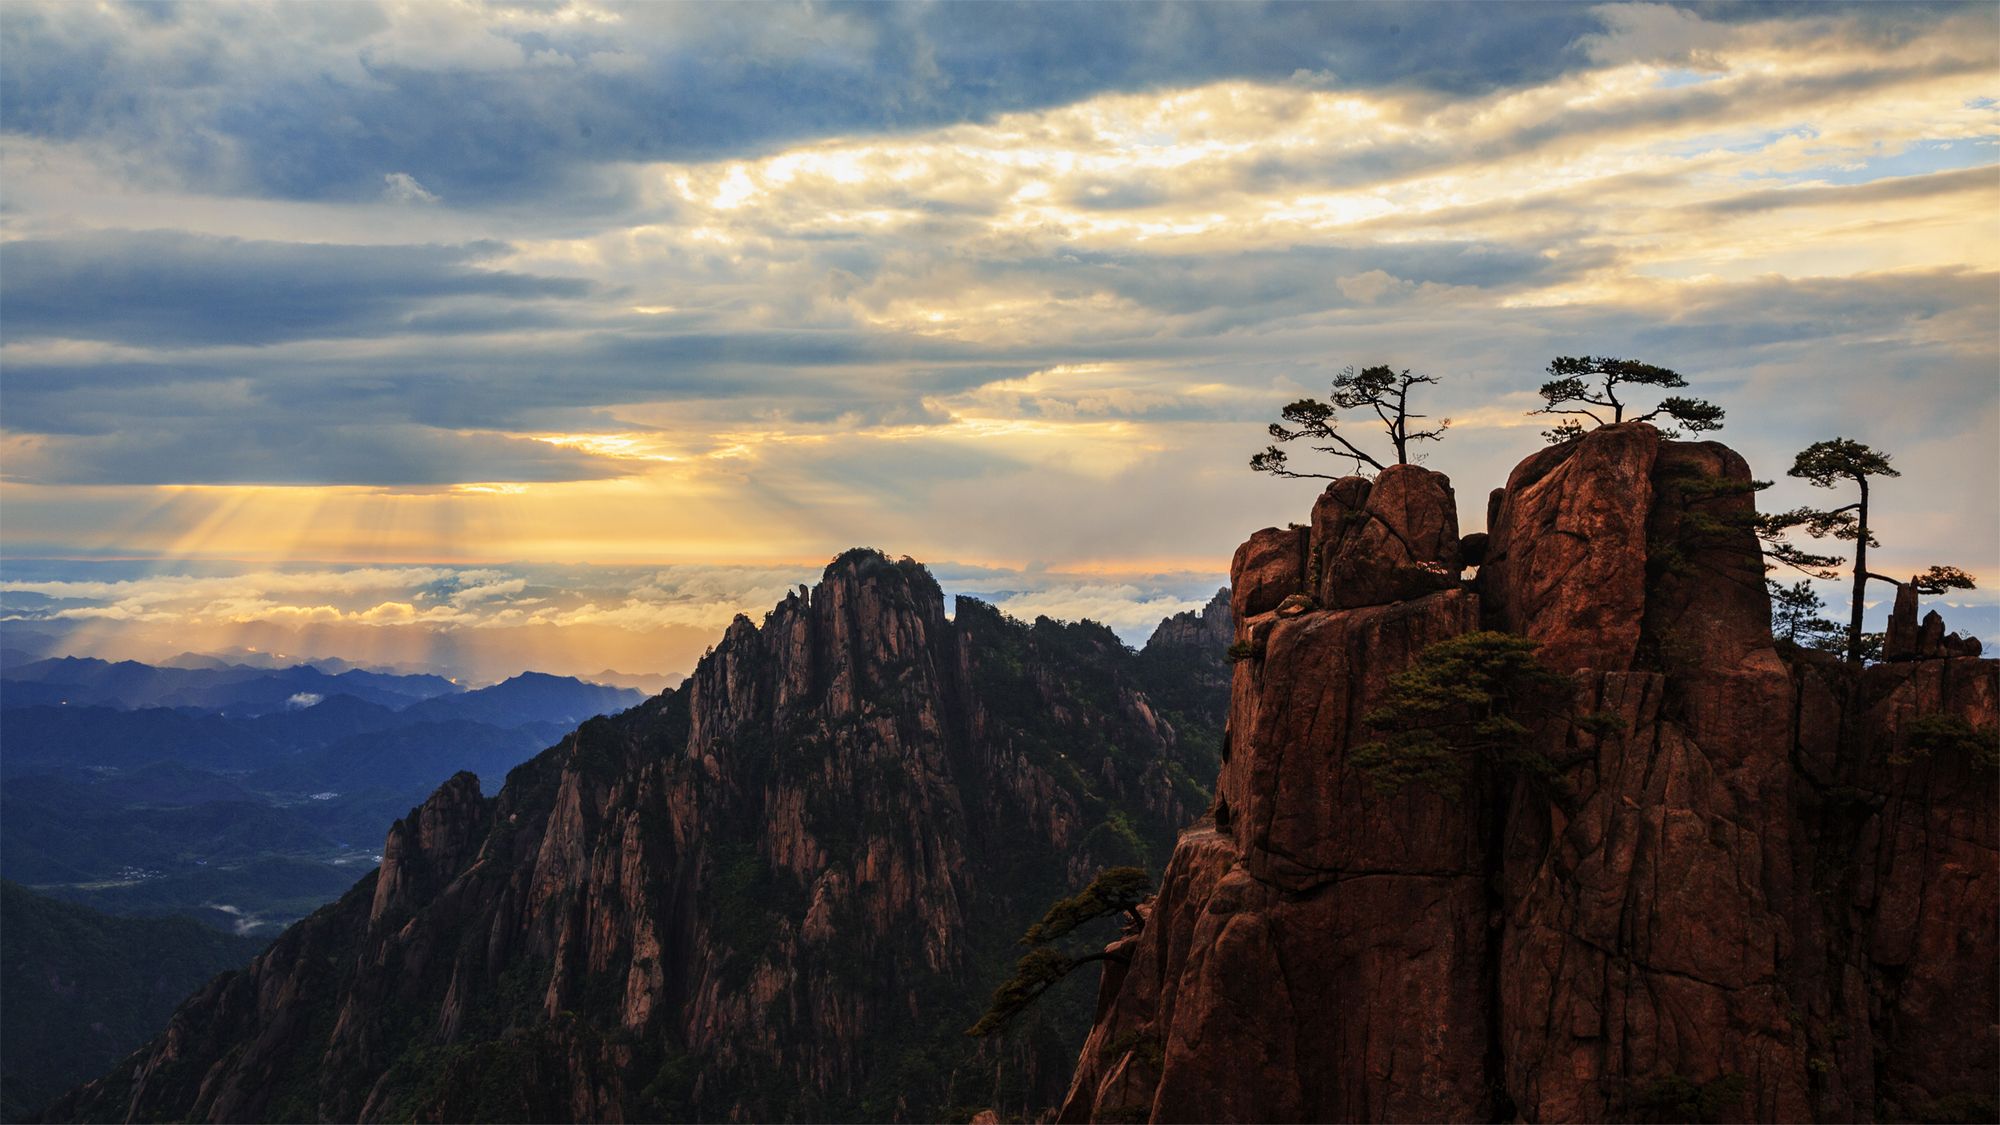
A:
<point x="781" y="891"/>
<point x="1766" y="905"/>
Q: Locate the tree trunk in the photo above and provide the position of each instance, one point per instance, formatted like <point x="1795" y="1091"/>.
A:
<point x="1860" y="574"/>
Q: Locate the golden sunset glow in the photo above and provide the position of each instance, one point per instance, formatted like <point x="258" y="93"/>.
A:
<point x="1031" y="335"/>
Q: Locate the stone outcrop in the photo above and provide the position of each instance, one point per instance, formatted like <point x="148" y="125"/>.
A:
<point x="770" y="894"/>
<point x="1764" y="905"/>
<point x="1211" y="629"/>
<point x="1907" y="639"/>
<point x="1269" y="567"/>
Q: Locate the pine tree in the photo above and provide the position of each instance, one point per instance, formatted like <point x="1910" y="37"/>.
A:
<point x="1379" y="389"/>
<point x="1828" y="464"/>
<point x="1584" y="382"/>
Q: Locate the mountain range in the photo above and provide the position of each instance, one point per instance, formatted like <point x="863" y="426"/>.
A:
<point x="782" y="890"/>
<point x="1539" y="823"/>
<point x="243" y="817"/>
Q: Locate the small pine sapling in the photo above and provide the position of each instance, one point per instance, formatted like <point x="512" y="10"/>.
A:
<point x="1472" y="693"/>
<point x="1795" y="618"/>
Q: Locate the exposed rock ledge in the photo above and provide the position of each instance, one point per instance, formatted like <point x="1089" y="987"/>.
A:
<point x="1752" y="901"/>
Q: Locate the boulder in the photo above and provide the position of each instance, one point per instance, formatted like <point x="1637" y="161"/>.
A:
<point x="1390" y="540"/>
<point x="1268" y="568"/>
<point x="1566" y="548"/>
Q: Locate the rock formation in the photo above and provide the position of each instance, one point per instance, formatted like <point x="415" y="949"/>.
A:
<point x="1209" y="630"/>
<point x="1774" y="901"/>
<point x="1907" y="639"/>
<point x="780" y="891"/>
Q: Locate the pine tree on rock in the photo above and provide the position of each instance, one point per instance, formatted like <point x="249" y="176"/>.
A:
<point x="1582" y="383"/>
<point x="1380" y="389"/>
<point x="1828" y="464"/>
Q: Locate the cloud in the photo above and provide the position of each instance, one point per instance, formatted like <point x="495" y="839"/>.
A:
<point x="997" y="283"/>
<point x="404" y="188"/>
<point x="170" y="288"/>
<point x="637" y="599"/>
<point x="258" y="98"/>
<point x="297" y="452"/>
<point x="1370" y="287"/>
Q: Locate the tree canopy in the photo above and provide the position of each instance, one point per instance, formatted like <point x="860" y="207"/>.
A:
<point x="1383" y="391"/>
<point x="1117" y="890"/>
<point x="1831" y="464"/>
<point x="1587" y="387"/>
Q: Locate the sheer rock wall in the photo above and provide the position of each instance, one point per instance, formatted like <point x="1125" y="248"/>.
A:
<point x="756" y="897"/>
<point x="1750" y="896"/>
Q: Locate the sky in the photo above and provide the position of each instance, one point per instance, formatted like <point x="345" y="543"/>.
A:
<point x="559" y="334"/>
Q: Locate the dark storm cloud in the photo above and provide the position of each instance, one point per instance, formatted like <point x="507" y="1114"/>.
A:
<point x="169" y="288"/>
<point x="322" y="118"/>
<point x="694" y="81"/>
<point x="292" y="452"/>
<point x="495" y="383"/>
<point x="1259" y="286"/>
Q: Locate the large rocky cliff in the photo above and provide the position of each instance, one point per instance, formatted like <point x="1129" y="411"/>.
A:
<point x="1763" y="904"/>
<point x="781" y="891"/>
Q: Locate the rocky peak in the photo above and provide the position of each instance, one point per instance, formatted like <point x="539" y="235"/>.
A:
<point x="780" y="891"/>
<point x="1727" y="923"/>
<point x="1210" y="628"/>
<point x="429" y="847"/>
<point x="1909" y="640"/>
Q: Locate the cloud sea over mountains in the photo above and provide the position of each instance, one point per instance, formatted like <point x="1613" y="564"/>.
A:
<point x="465" y="296"/>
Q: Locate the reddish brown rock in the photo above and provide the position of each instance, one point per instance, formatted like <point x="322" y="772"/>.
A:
<point x="1386" y="541"/>
<point x="1136" y="1002"/>
<point x="1307" y="817"/>
<point x="1641" y="937"/>
<point x="1566" y="550"/>
<point x="1752" y="895"/>
<point x="1900" y="641"/>
<point x="430" y="846"/>
<point x="1269" y="567"/>
<point x="1927" y="883"/>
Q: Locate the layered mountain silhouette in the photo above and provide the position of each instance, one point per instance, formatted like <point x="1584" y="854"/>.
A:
<point x="1702" y="877"/>
<point x="782" y="890"/>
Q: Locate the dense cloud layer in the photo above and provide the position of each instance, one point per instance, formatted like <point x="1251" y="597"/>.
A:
<point x="991" y="282"/>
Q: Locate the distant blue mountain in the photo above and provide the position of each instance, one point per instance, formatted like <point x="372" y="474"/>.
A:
<point x="412" y="759"/>
<point x="528" y="698"/>
<point x="235" y="690"/>
<point x="48" y="739"/>
<point x="136" y="788"/>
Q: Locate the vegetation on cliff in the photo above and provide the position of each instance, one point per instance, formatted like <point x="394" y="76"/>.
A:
<point x="1477" y="693"/>
<point x="1119" y="890"/>
<point x="780" y="892"/>
<point x="84" y="988"/>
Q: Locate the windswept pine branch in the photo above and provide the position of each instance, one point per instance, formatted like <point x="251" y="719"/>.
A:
<point x="1382" y="391"/>
<point x="1117" y="890"/>
<point x="1582" y="383"/>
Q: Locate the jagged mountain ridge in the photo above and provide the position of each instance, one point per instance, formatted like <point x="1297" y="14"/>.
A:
<point x="780" y="891"/>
